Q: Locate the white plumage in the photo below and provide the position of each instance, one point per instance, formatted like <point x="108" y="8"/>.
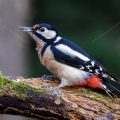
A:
<point x="67" y="50"/>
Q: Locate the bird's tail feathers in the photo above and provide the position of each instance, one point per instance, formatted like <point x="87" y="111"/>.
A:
<point x="111" y="77"/>
<point x="112" y="88"/>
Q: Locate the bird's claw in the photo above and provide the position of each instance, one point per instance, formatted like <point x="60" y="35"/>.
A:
<point x="49" y="77"/>
<point x="54" y="90"/>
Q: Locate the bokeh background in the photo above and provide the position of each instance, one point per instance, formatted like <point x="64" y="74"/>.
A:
<point x="92" y="24"/>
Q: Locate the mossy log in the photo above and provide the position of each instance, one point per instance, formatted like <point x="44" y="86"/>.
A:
<point x="28" y="98"/>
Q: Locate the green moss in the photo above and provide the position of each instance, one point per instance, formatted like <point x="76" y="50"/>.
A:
<point x="18" y="89"/>
<point x="3" y="81"/>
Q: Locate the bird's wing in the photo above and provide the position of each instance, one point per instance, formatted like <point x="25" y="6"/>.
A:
<point x="70" y="54"/>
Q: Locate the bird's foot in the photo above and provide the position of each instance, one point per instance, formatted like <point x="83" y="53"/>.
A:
<point x="49" y="78"/>
<point x="54" y="90"/>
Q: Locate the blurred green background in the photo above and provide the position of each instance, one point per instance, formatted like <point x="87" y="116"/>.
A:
<point x="93" y="25"/>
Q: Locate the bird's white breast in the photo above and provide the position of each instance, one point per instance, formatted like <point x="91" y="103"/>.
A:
<point x="63" y="71"/>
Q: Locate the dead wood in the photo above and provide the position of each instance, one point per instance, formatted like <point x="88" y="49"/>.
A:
<point x="28" y="98"/>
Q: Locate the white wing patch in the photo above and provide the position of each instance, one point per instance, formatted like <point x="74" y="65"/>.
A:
<point x="67" y="50"/>
<point x="93" y="63"/>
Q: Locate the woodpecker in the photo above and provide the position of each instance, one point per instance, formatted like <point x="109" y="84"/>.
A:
<point x="70" y="63"/>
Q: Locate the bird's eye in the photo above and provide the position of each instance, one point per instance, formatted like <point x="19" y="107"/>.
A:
<point x="42" y="29"/>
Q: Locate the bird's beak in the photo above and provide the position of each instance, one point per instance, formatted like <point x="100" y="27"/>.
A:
<point x="26" y="29"/>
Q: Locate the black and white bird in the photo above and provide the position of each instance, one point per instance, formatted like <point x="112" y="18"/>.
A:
<point x="69" y="62"/>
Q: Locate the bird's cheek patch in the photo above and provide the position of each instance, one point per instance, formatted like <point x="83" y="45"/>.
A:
<point x="48" y="34"/>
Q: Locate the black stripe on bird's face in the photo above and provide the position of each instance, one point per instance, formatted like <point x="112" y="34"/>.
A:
<point x="45" y="32"/>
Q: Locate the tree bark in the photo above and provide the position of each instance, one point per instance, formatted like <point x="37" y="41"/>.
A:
<point x="28" y="98"/>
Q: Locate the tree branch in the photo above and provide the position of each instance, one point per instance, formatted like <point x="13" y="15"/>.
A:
<point x="28" y="98"/>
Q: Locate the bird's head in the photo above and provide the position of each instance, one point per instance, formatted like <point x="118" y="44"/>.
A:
<point x="42" y="32"/>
